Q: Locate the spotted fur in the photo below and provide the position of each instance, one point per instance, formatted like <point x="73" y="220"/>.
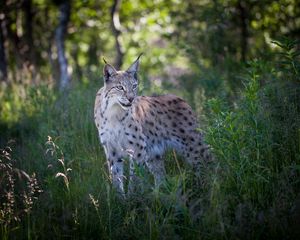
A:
<point x="143" y="127"/>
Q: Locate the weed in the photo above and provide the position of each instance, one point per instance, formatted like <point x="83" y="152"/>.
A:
<point x="18" y="192"/>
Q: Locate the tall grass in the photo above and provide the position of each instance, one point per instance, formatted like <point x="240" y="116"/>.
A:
<point x="257" y="149"/>
<point x="250" y="191"/>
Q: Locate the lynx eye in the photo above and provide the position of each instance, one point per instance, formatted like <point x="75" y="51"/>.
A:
<point x="120" y="87"/>
<point x="134" y="86"/>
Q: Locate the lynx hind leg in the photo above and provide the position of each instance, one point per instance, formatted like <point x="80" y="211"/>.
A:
<point x="197" y="153"/>
<point x="157" y="168"/>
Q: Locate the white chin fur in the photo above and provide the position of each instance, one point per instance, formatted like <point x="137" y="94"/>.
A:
<point x="124" y="106"/>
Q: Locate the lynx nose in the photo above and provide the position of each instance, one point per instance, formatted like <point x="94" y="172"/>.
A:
<point x="130" y="99"/>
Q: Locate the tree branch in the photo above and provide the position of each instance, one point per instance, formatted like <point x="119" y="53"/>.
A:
<point x="3" y="65"/>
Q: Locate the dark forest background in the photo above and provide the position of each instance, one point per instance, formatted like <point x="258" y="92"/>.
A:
<point x="235" y="61"/>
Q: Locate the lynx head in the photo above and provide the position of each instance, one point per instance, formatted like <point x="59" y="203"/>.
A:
<point x="121" y="86"/>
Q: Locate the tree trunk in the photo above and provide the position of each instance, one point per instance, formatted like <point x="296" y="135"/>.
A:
<point x="116" y="29"/>
<point x="27" y="7"/>
<point x="9" y="18"/>
<point x="31" y="61"/>
<point x="3" y="65"/>
<point x="244" y="29"/>
<point x="60" y="33"/>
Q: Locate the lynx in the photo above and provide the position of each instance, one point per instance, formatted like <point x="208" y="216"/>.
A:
<point x="142" y="128"/>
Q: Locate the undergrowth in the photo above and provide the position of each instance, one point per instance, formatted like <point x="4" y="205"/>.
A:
<point x="250" y="191"/>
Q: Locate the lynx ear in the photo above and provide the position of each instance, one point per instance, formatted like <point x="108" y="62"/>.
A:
<point x="133" y="69"/>
<point x="108" y="71"/>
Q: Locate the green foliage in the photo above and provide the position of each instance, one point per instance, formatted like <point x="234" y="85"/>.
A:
<point x="197" y="49"/>
<point x="249" y="191"/>
<point x="257" y="146"/>
<point x="185" y="34"/>
<point x="18" y="193"/>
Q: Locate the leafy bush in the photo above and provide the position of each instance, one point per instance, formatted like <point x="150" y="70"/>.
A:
<point x="257" y="147"/>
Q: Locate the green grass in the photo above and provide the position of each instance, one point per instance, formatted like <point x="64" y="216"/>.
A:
<point x="251" y="191"/>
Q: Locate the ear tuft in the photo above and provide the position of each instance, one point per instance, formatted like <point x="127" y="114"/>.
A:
<point x="138" y="58"/>
<point x="108" y="71"/>
<point x="104" y="60"/>
<point x="133" y="69"/>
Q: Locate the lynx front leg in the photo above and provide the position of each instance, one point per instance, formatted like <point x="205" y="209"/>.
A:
<point x="116" y="166"/>
<point x="117" y="175"/>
